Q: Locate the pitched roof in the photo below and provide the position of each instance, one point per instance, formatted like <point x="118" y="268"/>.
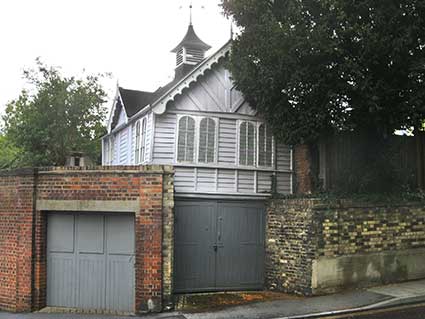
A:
<point x="191" y="40"/>
<point x="134" y="100"/>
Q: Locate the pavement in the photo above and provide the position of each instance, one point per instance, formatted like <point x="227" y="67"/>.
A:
<point x="313" y="307"/>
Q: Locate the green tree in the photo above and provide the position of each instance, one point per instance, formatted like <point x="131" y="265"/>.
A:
<point x="56" y="116"/>
<point x="9" y="154"/>
<point x="317" y="66"/>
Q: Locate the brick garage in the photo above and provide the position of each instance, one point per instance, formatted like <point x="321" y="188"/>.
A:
<point x="26" y="197"/>
<point x="315" y="246"/>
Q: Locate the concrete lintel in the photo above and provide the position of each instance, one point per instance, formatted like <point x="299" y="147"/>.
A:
<point x="89" y="205"/>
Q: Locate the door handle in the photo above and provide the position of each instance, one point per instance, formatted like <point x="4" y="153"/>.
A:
<point x="216" y="246"/>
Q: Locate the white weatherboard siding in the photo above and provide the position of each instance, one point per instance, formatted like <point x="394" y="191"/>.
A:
<point x="184" y="179"/>
<point x="123" y="151"/>
<point x="213" y="92"/>
<point x="116" y="149"/>
<point x="264" y="182"/>
<point x="227" y="141"/>
<point x="164" y="139"/>
<point x="213" y="95"/>
<point x="283" y="157"/>
<point x="122" y="119"/>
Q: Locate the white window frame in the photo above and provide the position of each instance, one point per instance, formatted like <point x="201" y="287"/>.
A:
<point x="258" y="146"/>
<point x="195" y="136"/>
<point x="142" y="148"/>
<point x="238" y="130"/>
<point x="137" y="143"/>
<point x="198" y="136"/>
<point x="141" y="144"/>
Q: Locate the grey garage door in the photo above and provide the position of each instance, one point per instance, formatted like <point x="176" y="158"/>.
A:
<point x="218" y="246"/>
<point x="90" y="261"/>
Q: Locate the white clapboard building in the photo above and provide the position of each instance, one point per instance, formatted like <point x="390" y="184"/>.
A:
<point x="226" y="162"/>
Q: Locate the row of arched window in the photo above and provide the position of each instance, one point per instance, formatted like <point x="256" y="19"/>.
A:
<point x="255" y="142"/>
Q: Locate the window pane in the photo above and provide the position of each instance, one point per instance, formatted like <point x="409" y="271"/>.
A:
<point x="137" y="143"/>
<point x="251" y="144"/>
<point x="190" y="139"/>
<point x="182" y="139"/>
<point x="203" y="137"/>
<point x="211" y="141"/>
<point x="265" y="146"/>
<point x="142" y="141"/>
<point x="186" y="141"/>
<point x="206" y="140"/>
<point x="242" y="143"/>
<point x="261" y="145"/>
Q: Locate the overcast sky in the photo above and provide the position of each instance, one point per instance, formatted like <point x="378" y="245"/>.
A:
<point x="131" y="39"/>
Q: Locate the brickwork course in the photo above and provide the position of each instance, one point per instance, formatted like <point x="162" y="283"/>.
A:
<point x="301" y="231"/>
<point x="302" y="169"/>
<point x="23" y="227"/>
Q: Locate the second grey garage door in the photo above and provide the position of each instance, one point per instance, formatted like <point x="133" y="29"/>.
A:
<point x="218" y="246"/>
<point x="90" y="261"/>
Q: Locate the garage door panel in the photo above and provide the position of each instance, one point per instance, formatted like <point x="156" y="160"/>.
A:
<point x="65" y="282"/>
<point x="229" y="259"/>
<point x="120" y="235"/>
<point x="121" y="258"/>
<point x="119" y="278"/>
<point x="194" y="241"/>
<point x="91" y="275"/>
<point x="90" y="230"/>
<point x="60" y="231"/>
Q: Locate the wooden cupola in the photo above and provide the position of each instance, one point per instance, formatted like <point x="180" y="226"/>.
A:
<point x="189" y="52"/>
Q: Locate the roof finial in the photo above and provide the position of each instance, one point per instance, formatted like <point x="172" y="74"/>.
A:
<point x="190" y="12"/>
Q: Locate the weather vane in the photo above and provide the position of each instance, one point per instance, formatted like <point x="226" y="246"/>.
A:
<point x="190" y="11"/>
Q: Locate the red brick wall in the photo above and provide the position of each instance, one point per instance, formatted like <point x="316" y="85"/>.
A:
<point x="103" y="183"/>
<point x="303" y="169"/>
<point x="16" y="214"/>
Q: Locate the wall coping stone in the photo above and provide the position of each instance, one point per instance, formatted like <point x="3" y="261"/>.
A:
<point x="18" y="172"/>
<point x="319" y="204"/>
<point x="62" y="170"/>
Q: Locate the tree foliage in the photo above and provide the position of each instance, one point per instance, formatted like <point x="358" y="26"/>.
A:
<point x="56" y="116"/>
<point x="9" y="154"/>
<point x="317" y="66"/>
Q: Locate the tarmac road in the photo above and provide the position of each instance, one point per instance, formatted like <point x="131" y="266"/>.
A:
<point x="405" y="312"/>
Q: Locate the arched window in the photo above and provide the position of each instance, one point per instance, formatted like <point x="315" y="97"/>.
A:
<point x="265" y="142"/>
<point x="207" y="133"/>
<point x="247" y="143"/>
<point x="186" y="140"/>
<point x="106" y="151"/>
<point x="143" y="141"/>
<point x="137" y="144"/>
